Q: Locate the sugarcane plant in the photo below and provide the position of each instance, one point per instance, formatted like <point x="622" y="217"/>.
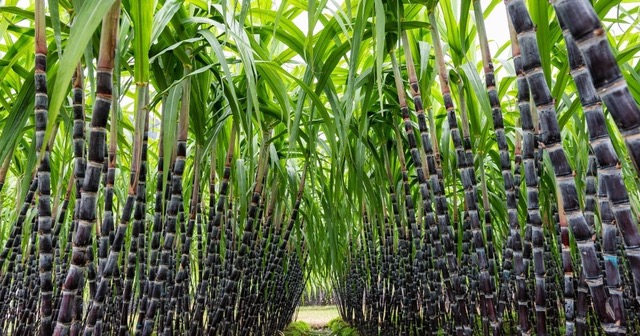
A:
<point x="124" y="281"/>
<point x="535" y="275"/>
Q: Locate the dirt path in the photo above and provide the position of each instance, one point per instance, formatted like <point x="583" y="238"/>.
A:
<point x="317" y="317"/>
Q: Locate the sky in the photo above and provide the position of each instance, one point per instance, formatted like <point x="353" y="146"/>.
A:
<point x="496" y="27"/>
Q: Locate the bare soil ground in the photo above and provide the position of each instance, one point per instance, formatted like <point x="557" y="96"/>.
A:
<point x="317" y="316"/>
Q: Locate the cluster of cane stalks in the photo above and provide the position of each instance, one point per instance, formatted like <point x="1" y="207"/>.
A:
<point x="427" y="264"/>
<point x="187" y="261"/>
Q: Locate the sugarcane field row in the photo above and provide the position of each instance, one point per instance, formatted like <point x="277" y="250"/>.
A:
<point x="461" y="167"/>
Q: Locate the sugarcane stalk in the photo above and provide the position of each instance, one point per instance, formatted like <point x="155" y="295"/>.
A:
<point x="95" y="159"/>
<point x="467" y="175"/>
<point x="587" y="31"/>
<point x="171" y="219"/>
<point x="607" y="160"/>
<point x="45" y="220"/>
<point x="137" y="182"/>
<point x="551" y="139"/>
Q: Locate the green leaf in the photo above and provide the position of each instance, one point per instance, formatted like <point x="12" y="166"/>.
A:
<point x="379" y="43"/>
<point x="163" y="16"/>
<point x="142" y="21"/>
<point x="55" y="23"/>
<point x="18" y="116"/>
<point x="87" y="21"/>
<point x="540" y="15"/>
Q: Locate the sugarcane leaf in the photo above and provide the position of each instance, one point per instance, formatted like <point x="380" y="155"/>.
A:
<point x="55" y="23"/>
<point x="159" y="96"/>
<point x="379" y="43"/>
<point x="17" y="117"/>
<point x="87" y="21"/>
<point x="169" y="125"/>
<point x="162" y="17"/>
<point x="479" y="91"/>
<point x="15" y="53"/>
<point x="540" y="16"/>
<point x="142" y="20"/>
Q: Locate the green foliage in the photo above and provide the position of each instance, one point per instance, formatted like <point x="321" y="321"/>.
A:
<point x="297" y="328"/>
<point x="341" y="328"/>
